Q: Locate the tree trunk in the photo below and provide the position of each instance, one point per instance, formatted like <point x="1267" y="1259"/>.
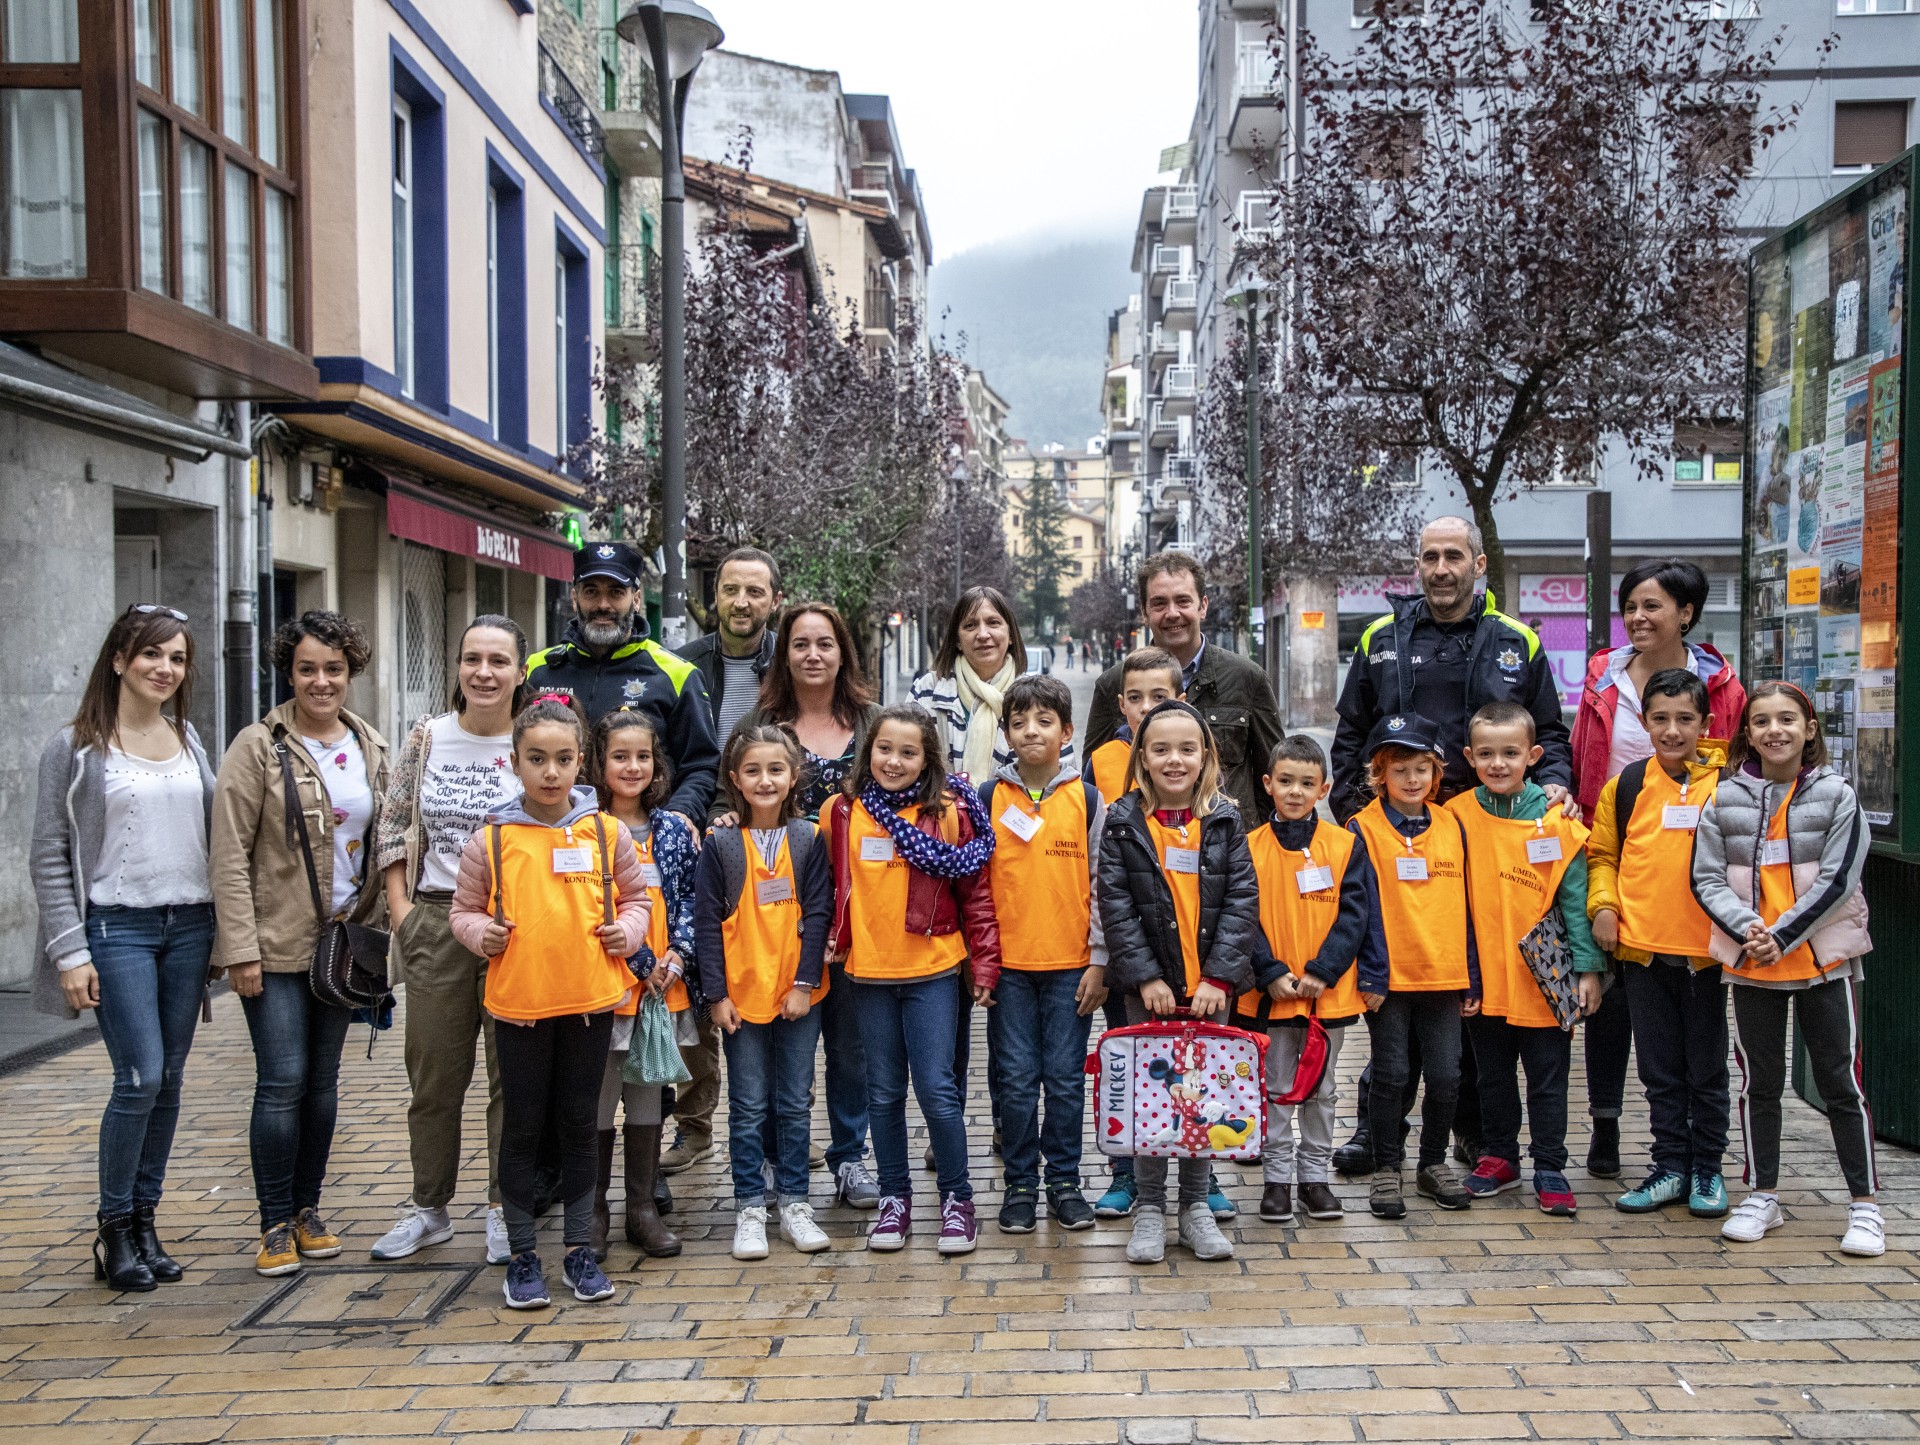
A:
<point x="1480" y="498"/>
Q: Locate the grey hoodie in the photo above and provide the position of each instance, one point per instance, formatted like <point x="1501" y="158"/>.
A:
<point x="1009" y="773"/>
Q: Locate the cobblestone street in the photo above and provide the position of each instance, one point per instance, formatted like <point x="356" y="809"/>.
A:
<point x="1492" y="1324"/>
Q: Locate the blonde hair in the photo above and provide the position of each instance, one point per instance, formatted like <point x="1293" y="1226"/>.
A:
<point x="1378" y="764"/>
<point x="1206" y="792"/>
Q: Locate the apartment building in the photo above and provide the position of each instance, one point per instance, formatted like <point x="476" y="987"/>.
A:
<point x="984" y="444"/>
<point x="1121" y="401"/>
<point x="1081" y="480"/>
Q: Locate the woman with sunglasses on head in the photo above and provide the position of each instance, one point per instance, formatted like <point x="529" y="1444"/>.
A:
<point x="119" y="864"/>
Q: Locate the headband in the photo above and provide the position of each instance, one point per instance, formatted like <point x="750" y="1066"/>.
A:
<point x="1795" y="689"/>
<point x="1179" y="705"/>
<point x="559" y="697"/>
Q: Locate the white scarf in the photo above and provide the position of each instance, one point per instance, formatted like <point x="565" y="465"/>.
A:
<point x="982" y="700"/>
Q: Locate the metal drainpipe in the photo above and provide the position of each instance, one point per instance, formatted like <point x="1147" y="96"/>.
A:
<point x="266" y="618"/>
<point x="242" y="671"/>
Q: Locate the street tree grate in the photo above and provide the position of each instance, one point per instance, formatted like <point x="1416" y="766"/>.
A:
<point x="361" y="1299"/>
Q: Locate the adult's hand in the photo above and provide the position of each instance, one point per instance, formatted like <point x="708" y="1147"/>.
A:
<point x="1557" y="794"/>
<point x="81" y="985"/>
<point x="244" y="979"/>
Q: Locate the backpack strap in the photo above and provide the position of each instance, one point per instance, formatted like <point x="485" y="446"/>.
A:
<point x="1093" y="805"/>
<point x="499" y="907"/>
<point x="1626" y="792"/>
<point x="606" y="869"/>
<point x="801" y="836"/>
<point x="730" y="847"/>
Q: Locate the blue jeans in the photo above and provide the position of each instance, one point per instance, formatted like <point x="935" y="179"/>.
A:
<point x="296" y="1092"/>
<point x="846" y="1071"/>
<point x="908" y="1030"/>
<point x="1041" y="1044"/>
<point x="152" y="965"/>
<point x="769" y="1079"/>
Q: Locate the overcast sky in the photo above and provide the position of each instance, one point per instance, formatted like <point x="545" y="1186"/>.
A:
<point x="1021" y="116"/>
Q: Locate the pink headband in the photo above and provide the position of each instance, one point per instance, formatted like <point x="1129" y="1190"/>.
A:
<point x="559" y="697"/>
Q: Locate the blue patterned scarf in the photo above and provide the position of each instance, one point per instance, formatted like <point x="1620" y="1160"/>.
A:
<point x="933" y="856"/>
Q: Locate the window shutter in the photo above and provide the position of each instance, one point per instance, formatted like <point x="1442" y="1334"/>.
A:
<point x="1868" y="132"/>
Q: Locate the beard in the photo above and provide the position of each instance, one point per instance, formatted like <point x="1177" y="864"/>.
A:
<point x="605" y="635"/>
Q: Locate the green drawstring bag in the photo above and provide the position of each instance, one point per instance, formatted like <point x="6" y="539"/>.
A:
<point x="654" y="1056"/>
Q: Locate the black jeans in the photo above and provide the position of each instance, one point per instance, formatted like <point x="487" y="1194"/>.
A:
<point x="1830" y="1024"/>
<point x="963" y="1047"/>
<point x="1609" y="1035"/>
<point x="1466" y="1105"/>
<point x="1547" y="1055"/>
<point x="550" y="1075"/>
<point x="1432" y="1021"/>
<point x="296" y="1093"/>
<point x="1680" y="1035"/>
<point x="1114" y="1013"/>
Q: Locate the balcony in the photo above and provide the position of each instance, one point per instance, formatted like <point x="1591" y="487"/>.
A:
<point x="629" y="107"/>
<point x="873" y="184"/>
<point x="879" y="312"/>
<point x="1256" y="116"/>
<point x="629" y="294"/>
<point x="1180" y="305"/>
<point x="1258" y="215"/>
<point x="576" y="113"/>
<point x="1181" y="469"/>
<point x="1162" y="430"/>
<point x="1253" y="73"/>
<point x="1180" y="212"/>
<point x="1177" y="389"/>
<point x="1165" y="343"/>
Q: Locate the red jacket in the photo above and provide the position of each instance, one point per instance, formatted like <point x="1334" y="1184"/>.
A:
<point x="1593" y="726"/>
<point x="934" y="905"/>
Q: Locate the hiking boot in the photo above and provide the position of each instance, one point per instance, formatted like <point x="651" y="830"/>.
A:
<point x="1384" y="1197"/>
<point x="1439" y="1183"/>
<point x="686" y="1151"/>
<point x="1320" y="1202"/>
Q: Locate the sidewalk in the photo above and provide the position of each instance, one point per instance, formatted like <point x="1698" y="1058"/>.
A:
<point x="29" y="1037"/>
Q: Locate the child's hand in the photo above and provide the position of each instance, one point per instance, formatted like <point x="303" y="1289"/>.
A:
<point x="1282" y="989"/>
<point x="613" y="938"/>
<point x="1469" y="1006"/>
<point x="493" y="942"/>
<point x="1761" y="946"/>
<point x="982" y="996"/>
<point x="1606" y="929"/>
<point x="1208" y="999"/>
<point x="1308" y="987"/>
<point x="1158" y="998"/>
<point x="1592" y="990"/>
<point x="1373" y="1001"/>
<point x="1092" y="991"/>
<point x="795" y="1004"/>
<point x="667" y="971"/>
<point x="726" y="1015"/>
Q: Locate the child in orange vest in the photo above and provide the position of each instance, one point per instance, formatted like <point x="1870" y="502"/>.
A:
<point x="633" y="781"/>
<point x="1419" y="916"/>
<point x="1314" y="879"/>
<point x="912" y="907"/>
<point x="551" y="890"/>
<point x="1639" y="897"/>
<point x="765" y="901"/>
<point x="1524" y="858"/>
<point x="1776" y="865"/>
<point x="1053" y="957"/>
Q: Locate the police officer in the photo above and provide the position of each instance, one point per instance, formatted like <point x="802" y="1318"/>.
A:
<point x="606" y="662"/>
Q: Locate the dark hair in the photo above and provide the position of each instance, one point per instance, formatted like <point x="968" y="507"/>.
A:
<point x="1297" y="748"/>
<point x="750" y="554"/>
<point x="1037" y="691"/>
<point x="329" y="629"/>
<point x="1676" y="682"/>
<point x="132" y="633"/>
<point x="1504" y="713"/>
<point x="762" y="735"/>
<point x="1161" y="563"/>
<point x="850" y="694"/>
<point x="501" y="623"/>
<point x="949" y="653"/>
<point x="551" y="708"/>
<point x="622" y="720"/>
<point x="932" y="795"/>
<point x="1151" y="659"/>
<point x="1740" y="747"/>
<point x="1681" y="580"/>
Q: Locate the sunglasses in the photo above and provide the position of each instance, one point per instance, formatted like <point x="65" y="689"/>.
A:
<point x="149" y="608"/>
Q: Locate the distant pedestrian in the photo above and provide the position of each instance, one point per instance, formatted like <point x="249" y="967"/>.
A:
<point x="119" y="864"/>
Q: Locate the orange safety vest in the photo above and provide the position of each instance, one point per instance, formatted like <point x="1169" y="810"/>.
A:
<point x="761" y="937"/>
<point x="1509" y="894"/>
<point x="1297" y="923"/>
<point x="554" y="964"/>
<point x="676" y="995"/>
<point x="1112" y="762"/>
<point x="1658" y="913"/>
<point x="1424" y="919"/>
<point x="1186" y="890"/>
<point x="880" y="946"/>
<point x="1777" y="895"/>
<point x="1042" y="889"/>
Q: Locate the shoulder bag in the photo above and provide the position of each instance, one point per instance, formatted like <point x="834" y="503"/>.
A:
<point x="349" y="967"/>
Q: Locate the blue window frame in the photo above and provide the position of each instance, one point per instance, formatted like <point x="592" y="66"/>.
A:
<point x="573" y="343"/>
<point x="419" y="165"/>
<point x="506" y="242"/>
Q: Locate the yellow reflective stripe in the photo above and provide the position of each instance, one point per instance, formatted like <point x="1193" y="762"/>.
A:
<point x="1533" y="638"/>
<point x="677" y="669"/>
<point x="1366" y="638"/>
<point x="540" y="658"/>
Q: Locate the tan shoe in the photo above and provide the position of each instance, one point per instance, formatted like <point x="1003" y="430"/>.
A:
<point x="686" y="1151"/>
<point x="312" y="1237"/>
<point x="278" y="1254"/>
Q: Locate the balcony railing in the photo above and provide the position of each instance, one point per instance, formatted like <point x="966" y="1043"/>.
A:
<point x="1254" y="73"/>
<point x="1181" y="203"/>
<point x="575" y="110"/>
<point x="626" y="77"/>
<point x="1178" y="382"/>
<point x="1182" y="467"/>
<point x="1165" y="343"/>
<point x="1168" y="260"/>
<point x="876" y="179"/>
<point x="881" y="307"/>
<point x="1258" y="214"/>
<point x="1183" y="294"/>
<point x="627" y="302"/>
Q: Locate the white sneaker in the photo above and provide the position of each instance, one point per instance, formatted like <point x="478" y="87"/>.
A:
<point x="1200" y="1233"/>
<point x="414" y="1230"/>
<point x="1866" y="1231"/>
<point x="499" y="1248"/>
<point x="750" y="1232"/>
<point x="1148" y="1243"/>
<point x="1752" y="1217"/>
<point x="799" y="1230"/>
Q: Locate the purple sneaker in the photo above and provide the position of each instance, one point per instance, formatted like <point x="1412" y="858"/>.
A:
<point x="891" y="1227"/>
<point x="958" y="1231"/>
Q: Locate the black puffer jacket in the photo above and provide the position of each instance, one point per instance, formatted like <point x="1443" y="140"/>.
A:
<point x="1136" y="905"/>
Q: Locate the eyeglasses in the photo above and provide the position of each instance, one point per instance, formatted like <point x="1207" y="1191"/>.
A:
<point x="148" y="608"/>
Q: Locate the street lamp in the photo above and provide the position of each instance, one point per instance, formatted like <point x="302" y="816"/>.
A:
<point x="1250" y="295"/>
<point x="677" y="34"/>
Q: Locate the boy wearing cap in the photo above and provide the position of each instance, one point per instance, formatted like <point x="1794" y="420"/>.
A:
<point x="1420" y="924"/>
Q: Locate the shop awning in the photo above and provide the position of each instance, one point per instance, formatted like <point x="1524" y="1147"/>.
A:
<point x="418" y="516"/>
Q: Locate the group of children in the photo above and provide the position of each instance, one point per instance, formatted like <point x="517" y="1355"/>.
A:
<point x="1050" y="894"/>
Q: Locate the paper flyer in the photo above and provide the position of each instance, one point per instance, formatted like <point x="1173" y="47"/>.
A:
<point x="1886" y="270"/>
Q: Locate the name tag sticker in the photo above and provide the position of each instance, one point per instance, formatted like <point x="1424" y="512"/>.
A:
<point x="1774" y="850"/>
<point x="1183" y="860"/>
<point x="1410" y="869"/>
<point x="1313" y="880"/>
<point x="876" y="850"/>
<point x="572" y="860"/>
<point x="1543" y="850"/>
<point x="773" y="890"/>
<point x="1022" y="825"/>
<point x="1675" y="817"/>
<point x="650" y="874"/>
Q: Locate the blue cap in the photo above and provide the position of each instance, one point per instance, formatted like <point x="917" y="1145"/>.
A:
<point x="1403" y="730"/>
<point x="616" y="561"/>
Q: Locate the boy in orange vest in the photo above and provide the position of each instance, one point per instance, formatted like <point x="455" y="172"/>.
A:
<point x="1523" y="859"/>
<point x="1053" y="957"/>
<point x="1314" y="879"/>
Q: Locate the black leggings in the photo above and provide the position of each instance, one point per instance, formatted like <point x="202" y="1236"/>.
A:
<point x="550" y="1075"/>
<point x="1829" y="1017"/>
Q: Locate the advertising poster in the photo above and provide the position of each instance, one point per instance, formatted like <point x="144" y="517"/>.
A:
<point x="1880" y="533"/>
<point x="1886" y="270"/>
<point x="1802" y="667"/>
<point x="1873" y="743"/>
<point x="1773" y="460"/>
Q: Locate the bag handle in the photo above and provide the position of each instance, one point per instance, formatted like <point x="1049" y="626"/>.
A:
<point x="606" y="869"/>
<point x="499" y="905"/>
<point x="297" y="826"/>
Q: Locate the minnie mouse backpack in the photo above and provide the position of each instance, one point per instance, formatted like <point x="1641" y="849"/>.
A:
<point x="1180" y="1088"/>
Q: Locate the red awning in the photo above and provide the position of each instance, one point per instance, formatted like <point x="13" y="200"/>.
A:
<point x="467" y="532"/>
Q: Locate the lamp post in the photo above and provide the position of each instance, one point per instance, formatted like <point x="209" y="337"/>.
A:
<point x="1249" y="297"/>
<point x="677" y="34"/>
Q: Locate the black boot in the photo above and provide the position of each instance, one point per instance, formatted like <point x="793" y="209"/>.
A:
<point x="1356" y="1155"/>
<point x="602" y="1215"/>
<point x="1603" y="1154"/>
<point x="115" y="1259"/>
<point x="152" y="1253"/>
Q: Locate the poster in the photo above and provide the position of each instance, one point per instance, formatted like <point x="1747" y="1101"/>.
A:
<point x="1880" y="530"/>
<point x="1773" y="457"/>
<point x="1833" y="704"/>
<point x="1886" y="270"/>
<point x="1802" y="667"/>
<point x="1873" y="743"/>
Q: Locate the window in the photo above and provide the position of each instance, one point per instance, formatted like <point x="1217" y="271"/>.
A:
<point x="188" y="56"/>
<point x="1877" y="7"/>
<point x="1366" y="11"/>
<point x="146" y="42"/>
<point x="1726" y="9"/>
<point x="238" y="212"/>
<point x="154" y="194"/>
<point x="417" y="166"/>
<point x="279" y="269"/>
<point x="561" y="381"/>
<point x="403" y="355"/>
<point x="42" y="32"/>
<point x="1077" y="540"/>
<point x="572" y="346"/>
<point x="43" y="187"/>
<point x="506" y="305"/>
<point x="1705" y="453"/>
<point x="493" y="311"/>
<point x="1391" y="144"/>
<point x="196" y="225"/>
<point x="266" y="79"/>
<point x="235" y="119"/>
<point x="1867" y="133"/>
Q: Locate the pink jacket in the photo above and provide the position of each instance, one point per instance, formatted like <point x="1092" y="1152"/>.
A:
<point x="1593" y="724"/>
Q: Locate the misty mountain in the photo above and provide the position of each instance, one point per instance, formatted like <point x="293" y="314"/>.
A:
<point x="1034" y="318"/>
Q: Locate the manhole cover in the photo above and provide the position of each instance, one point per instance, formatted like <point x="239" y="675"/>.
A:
<point x="361" y="1299"/>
